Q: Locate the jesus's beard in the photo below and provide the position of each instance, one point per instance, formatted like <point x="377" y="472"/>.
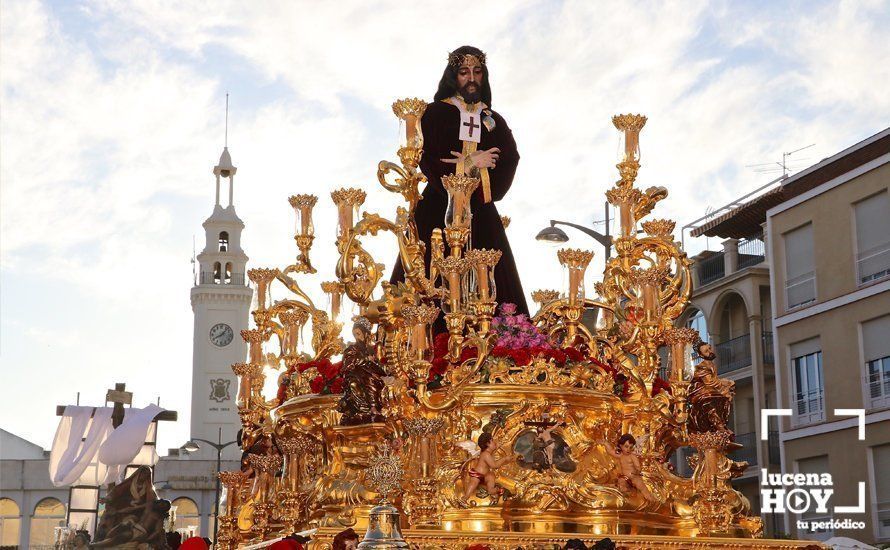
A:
<point x="474" y="96"/>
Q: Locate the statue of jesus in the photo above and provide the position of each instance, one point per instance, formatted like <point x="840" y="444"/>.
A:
<point x="461" y="132"/>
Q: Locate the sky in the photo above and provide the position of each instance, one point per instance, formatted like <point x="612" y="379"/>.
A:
<point x="113" y="118"/>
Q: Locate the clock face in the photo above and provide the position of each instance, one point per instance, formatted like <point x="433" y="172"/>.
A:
<point x="221" y="335"/>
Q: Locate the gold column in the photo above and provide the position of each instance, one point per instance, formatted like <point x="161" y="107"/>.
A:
<point x="228" y="535"/>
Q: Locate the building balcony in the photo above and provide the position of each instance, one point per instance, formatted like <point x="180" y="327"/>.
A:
<point x="751" y="251"/>
<point x="711" y="269"/>
<point x="734" y="354"/>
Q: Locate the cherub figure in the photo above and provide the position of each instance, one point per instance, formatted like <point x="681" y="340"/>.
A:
<point x="630" y="477"/>
<point x="484" y="468"/>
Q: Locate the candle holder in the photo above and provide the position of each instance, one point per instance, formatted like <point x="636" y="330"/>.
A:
<point x="460" y="190"/>
<point x="543" y="297"/>
<point x="453" y="271"/>
<point x="421" y="504"/>
<point x="574" y="262"/>
<point x="304" y="229"/>
<point x="419" y="318"/>
<point x="410" y="111"/>
<point x="660" y="229"/>
<point x="261" y="277"/>
<point x="289" y="497"/>
<point x="227" y="534"/>
<point x="348" y="201"/>
<point x="482" y="288"/>
<point x="629" y="145"/>
<point x="648" y="283"/>
<point x="334" y="291"/>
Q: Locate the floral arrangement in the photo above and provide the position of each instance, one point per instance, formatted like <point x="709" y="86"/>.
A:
<point x="328" y="381"/>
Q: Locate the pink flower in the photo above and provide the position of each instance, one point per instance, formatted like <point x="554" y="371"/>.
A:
<point x="508" y="309"/>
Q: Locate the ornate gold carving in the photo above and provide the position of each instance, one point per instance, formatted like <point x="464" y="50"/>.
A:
<point x="302" y="201"/>
<point x="659" y="228"/>
<point x="680" y="335"/>
<point x="403" y="108"/>
<point x="505" y="221"/>
<point x="574" y="257"/>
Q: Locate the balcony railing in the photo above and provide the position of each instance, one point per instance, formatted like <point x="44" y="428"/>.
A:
<point x="767" y="341"/>
<point x="711" y="269"/>
<point x="734" y="354"/>
<point x="751" y="251"/>
<point x="748" y="452"/>
<point x="208" y="278"/>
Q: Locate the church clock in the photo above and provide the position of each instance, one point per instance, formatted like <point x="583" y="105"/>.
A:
<point x="221" y="335"/>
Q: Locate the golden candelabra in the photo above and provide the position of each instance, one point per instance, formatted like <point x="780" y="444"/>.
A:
<point x="387" y="419"/>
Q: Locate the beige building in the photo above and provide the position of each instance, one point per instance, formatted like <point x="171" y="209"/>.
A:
<point x="805" y="325"/>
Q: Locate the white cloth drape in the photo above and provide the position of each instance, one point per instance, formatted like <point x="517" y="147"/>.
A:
<point x="90" y="451"/>
<point x="77" y="440"/>
<point x="125" y="442"/>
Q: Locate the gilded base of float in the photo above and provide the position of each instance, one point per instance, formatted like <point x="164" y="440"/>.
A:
<point x="502" y="540"/>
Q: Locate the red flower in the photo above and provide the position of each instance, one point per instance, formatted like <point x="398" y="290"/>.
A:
<point x="337" y="385"/>
<point x="521" y="357"/>
<point x="317" y="384"/>
<point x="573" y="355"/>
<point x="282" y="393"/>
<point x="439" y="366"/>
<point x="468" y="353"/>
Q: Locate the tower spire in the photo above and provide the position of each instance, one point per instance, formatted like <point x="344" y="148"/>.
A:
<point x="225" y="168"/>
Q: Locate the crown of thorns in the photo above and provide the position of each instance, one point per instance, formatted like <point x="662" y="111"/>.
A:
<point x="456" y="60"/>
<point x="363" y="322"/>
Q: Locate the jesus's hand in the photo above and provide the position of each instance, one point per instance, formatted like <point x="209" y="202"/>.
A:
<point x="480" y="159"/>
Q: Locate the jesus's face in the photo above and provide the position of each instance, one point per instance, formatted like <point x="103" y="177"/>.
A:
<point x="469" y="82"/>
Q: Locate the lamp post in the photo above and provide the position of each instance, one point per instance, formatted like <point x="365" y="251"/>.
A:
<point x="192" y="446"/>
<point x="554" y="234"/>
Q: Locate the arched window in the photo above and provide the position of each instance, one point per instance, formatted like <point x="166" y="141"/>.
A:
<point x="48" y="514"/>
<point x="697" y="322"/>
<point x="10" y="522"/>
<point x="217" y="273"/>
<point x="228" y="273"/>
<point x="223" y="241"/>
<point x="187" y="518"/>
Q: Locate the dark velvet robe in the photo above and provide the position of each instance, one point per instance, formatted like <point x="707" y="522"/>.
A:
<point x="440" y="125"/>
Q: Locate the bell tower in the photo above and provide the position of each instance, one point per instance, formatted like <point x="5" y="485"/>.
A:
<point x="221" y="305"/>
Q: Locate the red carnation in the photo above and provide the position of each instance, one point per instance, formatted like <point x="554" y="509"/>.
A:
<point x="337" y="385"/>
<point x="317" y="384"/>
<point x="573" y="355"/>
<point x="520" y="357"/>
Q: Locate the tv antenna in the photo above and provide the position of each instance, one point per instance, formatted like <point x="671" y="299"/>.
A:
<point x="775" y="166"/>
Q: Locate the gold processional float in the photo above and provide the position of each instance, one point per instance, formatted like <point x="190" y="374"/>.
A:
<point x="387" y="437"/>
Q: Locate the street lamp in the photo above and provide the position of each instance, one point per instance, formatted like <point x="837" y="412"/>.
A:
<point x="192" y="446"/>
<point x="554" y="234"/>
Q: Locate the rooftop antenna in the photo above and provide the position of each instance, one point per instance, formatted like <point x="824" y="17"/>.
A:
<point x="775" y="166"/>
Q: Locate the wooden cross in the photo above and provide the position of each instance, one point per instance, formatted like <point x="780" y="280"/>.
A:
<point x="120" y="397"/>
<point x="472" y="124"/>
